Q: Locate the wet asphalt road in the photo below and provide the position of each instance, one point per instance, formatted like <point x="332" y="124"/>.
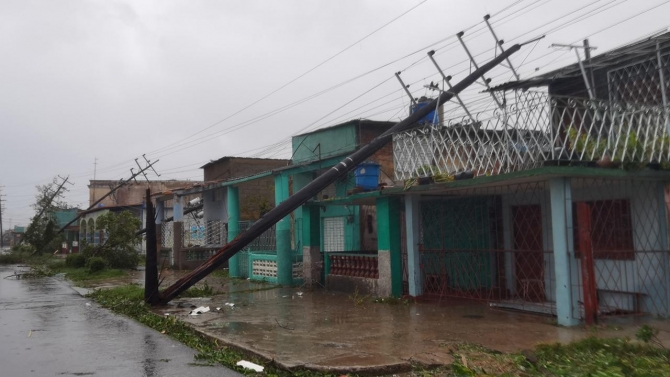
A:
<point x="47" y="329"/>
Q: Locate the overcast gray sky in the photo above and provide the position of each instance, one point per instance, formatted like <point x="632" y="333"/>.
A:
<point x="113" y="80"/>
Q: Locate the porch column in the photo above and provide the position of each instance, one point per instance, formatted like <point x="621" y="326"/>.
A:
<point x="177" y="230"/>
<point x="388" y="246"/>
<point x="283" y="232"/>
<point x="567" y="306"/>
<point x="233" y="229"/>
<point x="160" y="211"/>
<point x="311" y="244"/>
<point x="412" y="232"/>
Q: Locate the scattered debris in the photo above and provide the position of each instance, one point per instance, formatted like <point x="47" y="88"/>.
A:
<point x="167" y="314"/>
<point x="284" y="327"/>
<point x="299" y="294"/>
<point x="230" y="304"/>
<point x="218" y="309"/>
<point x="88" y="304"/>
<point x="250" y="365"/>
<point x="200" y="310"/>
<point x="30" y="333"/>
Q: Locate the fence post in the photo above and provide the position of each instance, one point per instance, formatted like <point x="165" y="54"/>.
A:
<point x="388" y="246"/>
<point x="233" y="228"/>
<point x="561" y="228"/>
<point x="412" y="208"/>
<point x="283" y="232"/>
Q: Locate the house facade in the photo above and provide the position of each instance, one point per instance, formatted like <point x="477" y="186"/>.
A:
<point x="196" y="220"/>
<point x="552" y="203"/>
<point x="89" y="234"/>
<point x="563" y="208"/>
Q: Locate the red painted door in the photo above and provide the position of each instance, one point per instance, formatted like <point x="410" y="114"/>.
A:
<point x="529" y="256"/>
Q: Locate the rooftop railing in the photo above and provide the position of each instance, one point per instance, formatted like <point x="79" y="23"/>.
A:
<point x="536" y="130"/>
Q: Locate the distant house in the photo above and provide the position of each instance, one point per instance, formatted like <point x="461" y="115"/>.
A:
<point x="131" y="193"/>
<point x="88" y="232"/>
<point x="256" y="196"/>
<point x="189" y="236"/>
<point x="70" y="233"/>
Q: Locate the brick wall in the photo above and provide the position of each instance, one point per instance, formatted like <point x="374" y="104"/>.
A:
<point x="383" y="156"/>
<point x="256" y="196"/>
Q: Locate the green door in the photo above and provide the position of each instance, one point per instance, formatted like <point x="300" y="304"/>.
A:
<point x="456" y="242"/>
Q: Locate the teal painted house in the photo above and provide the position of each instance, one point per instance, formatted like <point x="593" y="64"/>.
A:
<point x="71" y="233"/>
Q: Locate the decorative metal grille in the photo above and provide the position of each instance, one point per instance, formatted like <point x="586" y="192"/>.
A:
<point x="210" y="234"/>
<point x="494" y="244"/>
<point x="167" y="235"/>
<point x="531" y="131"/>
<point x="333" y="234"/>
<point x="641" y="82"/>
<point x="620" y="235"/>
<point x="490" y="244"/>
<point x="265" y="242"/>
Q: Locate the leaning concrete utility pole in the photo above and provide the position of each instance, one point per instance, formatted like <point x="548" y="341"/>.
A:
<point x="284" y="208"/>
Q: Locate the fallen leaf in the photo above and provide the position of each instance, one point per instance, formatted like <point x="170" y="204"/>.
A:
<point x="30" y="333"/>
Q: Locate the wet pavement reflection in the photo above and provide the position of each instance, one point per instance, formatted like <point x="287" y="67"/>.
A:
<point x="48" y="329"/>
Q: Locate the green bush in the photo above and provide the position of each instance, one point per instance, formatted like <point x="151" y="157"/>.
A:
<point x="75" y="260"/>
<point x="96" y="264"/>
<point x="14" y="257"/>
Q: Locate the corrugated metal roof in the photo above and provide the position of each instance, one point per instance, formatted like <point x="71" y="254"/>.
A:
<point x="617" y="56"/>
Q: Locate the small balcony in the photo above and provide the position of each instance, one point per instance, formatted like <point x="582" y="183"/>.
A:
<point x="536" y="130"/>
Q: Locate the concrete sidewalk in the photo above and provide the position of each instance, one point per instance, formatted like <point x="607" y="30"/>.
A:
<point x="332" y="331"/>
<point x="338" y="332"/>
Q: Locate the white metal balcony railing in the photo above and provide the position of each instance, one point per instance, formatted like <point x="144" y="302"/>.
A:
<point x="535" y="129"/>
<point x="204" y="233"/>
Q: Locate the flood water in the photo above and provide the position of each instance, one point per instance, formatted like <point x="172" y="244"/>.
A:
<point x="48" y="329"/>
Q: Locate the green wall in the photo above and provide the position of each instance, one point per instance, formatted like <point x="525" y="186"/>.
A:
<point x="333" y="142"/>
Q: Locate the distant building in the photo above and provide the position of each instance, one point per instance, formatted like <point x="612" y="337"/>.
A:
<point x="130" y="194"/>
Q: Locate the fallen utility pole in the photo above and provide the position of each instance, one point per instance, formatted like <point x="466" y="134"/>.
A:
<point x="123" y="183"/>
<point x="186" y="212"/>
<point x="48" y="203"/>
<point x="284" y="208"/>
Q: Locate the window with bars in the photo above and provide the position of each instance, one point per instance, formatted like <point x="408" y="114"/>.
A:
<point x="609" y="224"/>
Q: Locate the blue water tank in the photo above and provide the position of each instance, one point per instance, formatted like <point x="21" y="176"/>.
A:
<point x="431" y="118"/>
<point x="367" y="175"/>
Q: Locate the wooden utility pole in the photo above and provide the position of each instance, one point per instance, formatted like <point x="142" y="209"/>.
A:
<point x="284" y="208"/>
<point x="2" y="234"/>
<point x="151" y="272"/>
